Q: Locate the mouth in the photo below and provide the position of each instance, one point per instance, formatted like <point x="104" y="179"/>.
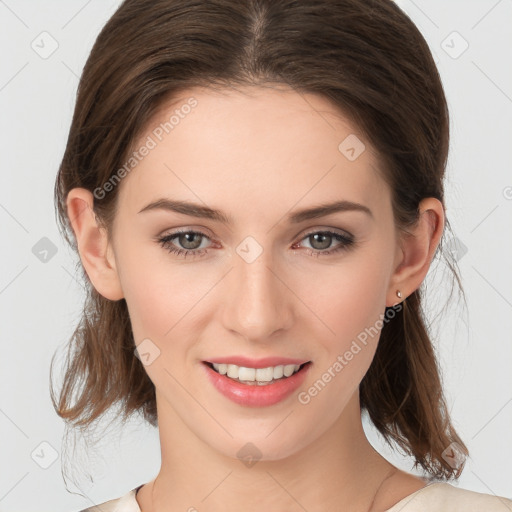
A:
<point x="257" y="387"/>
<point x="257" y="376"/>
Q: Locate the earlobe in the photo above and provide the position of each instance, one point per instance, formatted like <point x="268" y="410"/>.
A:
<point x="416" y="251"/>
<point x="95" y="252"/>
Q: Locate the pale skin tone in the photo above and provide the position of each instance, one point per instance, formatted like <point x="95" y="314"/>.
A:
<point x="258" y="157"/>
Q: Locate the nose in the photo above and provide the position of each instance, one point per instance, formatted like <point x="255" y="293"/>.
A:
<point x="257" y="300"/>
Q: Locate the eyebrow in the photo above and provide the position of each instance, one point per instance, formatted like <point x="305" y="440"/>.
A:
<point x="197" y="210"/>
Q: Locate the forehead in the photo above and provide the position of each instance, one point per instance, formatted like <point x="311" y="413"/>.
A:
<point x="261" y="146"/>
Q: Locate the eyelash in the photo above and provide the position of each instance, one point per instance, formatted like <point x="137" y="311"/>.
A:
<point x="347" y="242"/>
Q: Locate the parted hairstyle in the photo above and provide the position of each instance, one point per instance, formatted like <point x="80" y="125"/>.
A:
<point x="371" y="62"/>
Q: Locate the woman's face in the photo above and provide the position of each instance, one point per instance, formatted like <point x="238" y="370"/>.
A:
<point x="260" y="280"/>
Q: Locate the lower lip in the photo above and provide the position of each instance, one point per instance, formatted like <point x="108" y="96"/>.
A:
<point x="256" y="395"/>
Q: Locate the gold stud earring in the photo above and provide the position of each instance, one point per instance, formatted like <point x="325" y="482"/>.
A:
<point x="399" y="294"/>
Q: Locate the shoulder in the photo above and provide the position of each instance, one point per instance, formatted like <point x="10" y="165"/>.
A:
<point x="442" y="496"/>
<point x="126" y="503"/>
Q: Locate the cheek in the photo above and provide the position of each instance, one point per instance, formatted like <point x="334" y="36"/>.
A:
<point x="158" y="303"/>
<point x="352" y="309"/>
<point x="347" y="297"/>
<point x="162" y="310"/>
<point x="158" y="293"/>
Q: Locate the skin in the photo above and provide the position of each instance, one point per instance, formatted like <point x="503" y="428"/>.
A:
<point x="258" y="154"/>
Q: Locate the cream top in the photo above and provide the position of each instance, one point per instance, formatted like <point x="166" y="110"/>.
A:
<point x="436" y="496"/>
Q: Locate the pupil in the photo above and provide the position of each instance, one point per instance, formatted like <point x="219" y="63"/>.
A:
<point x="187" y="237"/>
<point x="323" y="244"/>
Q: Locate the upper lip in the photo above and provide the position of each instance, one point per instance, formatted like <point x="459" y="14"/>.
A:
<point x="263" y="362"/>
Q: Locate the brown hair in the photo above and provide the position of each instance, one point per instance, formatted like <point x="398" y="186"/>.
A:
<point x="366" y="57"/>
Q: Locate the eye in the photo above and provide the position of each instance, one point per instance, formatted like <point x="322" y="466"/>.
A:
<point x="187" y="239"/>
<point x="191" y="242"/>
<point x="321" y="240"/>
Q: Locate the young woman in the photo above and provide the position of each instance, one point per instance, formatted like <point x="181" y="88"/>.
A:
<point x="255" y="190"/>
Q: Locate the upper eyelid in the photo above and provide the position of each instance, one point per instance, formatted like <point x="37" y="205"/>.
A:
<point x="336" y="231"/>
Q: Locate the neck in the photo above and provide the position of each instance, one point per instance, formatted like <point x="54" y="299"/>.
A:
<point x="338" y="470"/>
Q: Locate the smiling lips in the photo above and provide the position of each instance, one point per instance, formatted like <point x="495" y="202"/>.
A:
<point x="260" y="371"/>
<point x="256" y="383"/>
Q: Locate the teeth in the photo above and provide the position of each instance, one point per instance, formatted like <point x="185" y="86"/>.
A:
<point x="257" y="375"/>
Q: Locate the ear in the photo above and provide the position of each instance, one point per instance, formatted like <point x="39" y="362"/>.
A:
<point x="95" y="252"/>
<point x="416" y="250"/>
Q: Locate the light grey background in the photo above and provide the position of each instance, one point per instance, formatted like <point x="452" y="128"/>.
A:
<point x="40" y="301"/>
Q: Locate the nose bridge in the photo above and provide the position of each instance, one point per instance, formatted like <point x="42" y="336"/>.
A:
<point x="257" y="304"/>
